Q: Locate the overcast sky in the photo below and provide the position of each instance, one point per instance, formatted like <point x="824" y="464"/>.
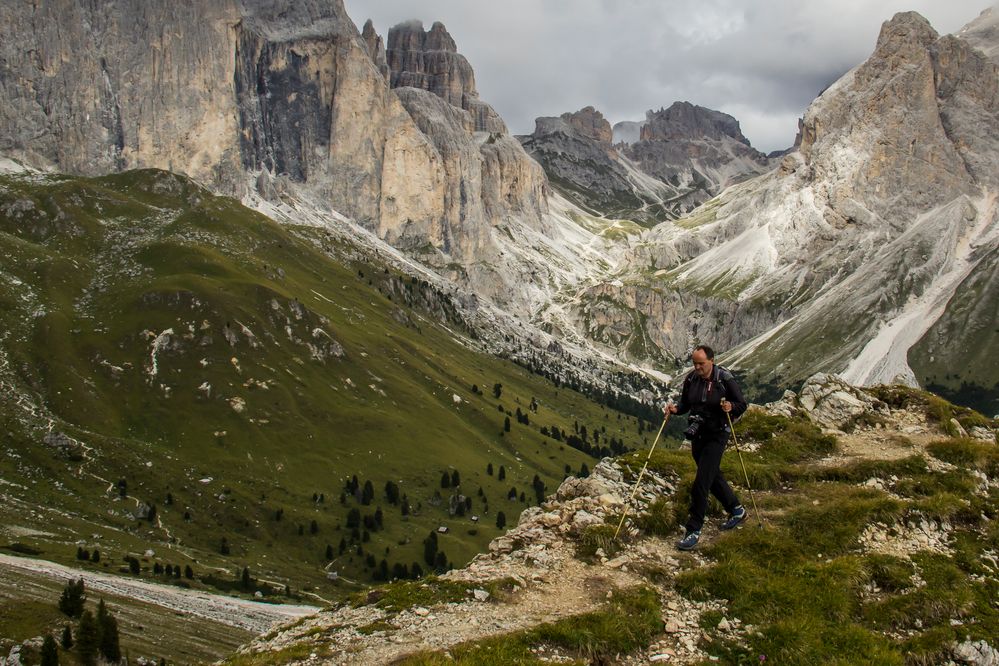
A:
<point x="762" y="61"/>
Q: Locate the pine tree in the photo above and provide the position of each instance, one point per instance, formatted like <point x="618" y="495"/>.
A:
<point x="502" y="473"/>
<point x="88" y="639"/>
<point x="245" y="580"/>
<point x="368" y="494"/>
<point x="67" y="638"/>
<point x="50" y="652"/>
<point x="489" y="469"/>
<point x="445" y="480"/>
<point x="379" y="517"/>
<point x="224" y="546"/>
<point x="188" y="572"/>
<point x="133" y="566"/>
<point x="313" y="527"/>
<point x="455" y="479"/>
<point x="506" y="424"/>
<point x="329" y="552"/>
<point x="353" y="518"/>
<point x="110" y="647"/>
<point x="73" y="597"/>
<point x="501" y="520"/>
<point x="497" y="390"/>
<point x="430" y="549"/>
<point x="440" y="563"/>
<point x="95" y="556"/>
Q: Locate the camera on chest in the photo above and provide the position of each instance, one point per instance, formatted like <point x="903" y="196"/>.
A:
<point x="694" y="424"/>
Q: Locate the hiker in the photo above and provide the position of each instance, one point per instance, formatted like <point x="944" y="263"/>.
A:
<point x="709" y="392"/>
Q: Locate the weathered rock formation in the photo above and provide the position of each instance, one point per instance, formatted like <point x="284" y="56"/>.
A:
<point x="429" y="60"/>
<point x="590" y="123"/>
<point x="654" y="171"/>
<point x="696" y="148"/>
<point x="584" y="168"/>
<point x="376" y="48"/>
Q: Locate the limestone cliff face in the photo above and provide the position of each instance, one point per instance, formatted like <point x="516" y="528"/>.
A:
<point x="588" y="171"/>
<point x="648" y="172"/>
<point x="376" y="48"/>
<point x="429" y="60"/>
<point x="590" y="123"/>
<point x="487" y="176"/>
<point x="99" y="87"/>
<point x="696" y="148"/>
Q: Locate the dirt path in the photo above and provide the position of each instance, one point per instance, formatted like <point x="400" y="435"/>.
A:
<point x="249" y="615"/>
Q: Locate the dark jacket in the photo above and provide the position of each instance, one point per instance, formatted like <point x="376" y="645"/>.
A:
<point x="703" y="396"/>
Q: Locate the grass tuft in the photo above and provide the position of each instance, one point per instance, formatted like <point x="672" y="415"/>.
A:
<point x="596" y="537"/>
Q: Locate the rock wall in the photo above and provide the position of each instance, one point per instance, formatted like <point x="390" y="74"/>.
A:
<point x="695" y="147"/>
<point x="429" y="60"/>
<point x="590" y="123"/>
<point x="97" y="87"/>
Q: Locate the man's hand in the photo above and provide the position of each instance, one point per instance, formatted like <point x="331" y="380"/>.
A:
<point x="726" y="405"/>
<point x="670" y="408"/>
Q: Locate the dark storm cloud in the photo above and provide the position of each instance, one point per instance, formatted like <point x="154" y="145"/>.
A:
<point x="762" y="62"/>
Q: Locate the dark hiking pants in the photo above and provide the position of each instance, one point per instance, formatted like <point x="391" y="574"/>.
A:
<point x="707" y="451"/>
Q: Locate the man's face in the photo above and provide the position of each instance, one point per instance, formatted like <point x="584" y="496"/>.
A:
<point x="702" y="365"/>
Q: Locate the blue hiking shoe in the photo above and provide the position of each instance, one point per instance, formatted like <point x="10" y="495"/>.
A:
<point x="689" y="541"/>
<point x="738" y="515"/>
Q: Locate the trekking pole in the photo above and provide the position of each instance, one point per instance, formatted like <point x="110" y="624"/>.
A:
<point x="641" y="474"/>
<point x="735" y="439"/>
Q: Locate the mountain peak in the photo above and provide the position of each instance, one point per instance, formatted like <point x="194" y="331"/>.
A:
<point x="591" y="123"/>
<point x="683" y="120"/>
<point x="983" y="34"/>
<point x="429" y="60"/>
<point x="906" y="29"/>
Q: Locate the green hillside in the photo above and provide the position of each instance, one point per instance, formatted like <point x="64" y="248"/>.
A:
<point x="164" y="347"/>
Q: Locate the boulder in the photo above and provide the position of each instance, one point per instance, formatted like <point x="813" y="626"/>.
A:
<point x="830" y="401"/>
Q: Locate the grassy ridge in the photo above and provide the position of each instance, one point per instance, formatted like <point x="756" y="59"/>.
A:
<point x="289" y="368"/>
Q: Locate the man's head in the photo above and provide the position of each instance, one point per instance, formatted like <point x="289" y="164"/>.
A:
<point x="704" y="360"/>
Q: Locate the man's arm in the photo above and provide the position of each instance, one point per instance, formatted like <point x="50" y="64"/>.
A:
<point x="684" y="406"/>
<point x="734" y="395"/>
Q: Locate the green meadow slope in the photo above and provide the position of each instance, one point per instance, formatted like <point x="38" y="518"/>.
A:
<point x="164" y="347"/>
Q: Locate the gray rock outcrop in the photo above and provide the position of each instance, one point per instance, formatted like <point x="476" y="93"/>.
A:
<point x="697" y="148"/>
<point x="830" y="402"/>
<point x="976" y="653"/>
<point x="590" y="123"/>
<point x="429" y="60"/>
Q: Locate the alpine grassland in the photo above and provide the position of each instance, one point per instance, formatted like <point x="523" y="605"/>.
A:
<point x="799" y="572"/>
<point x="188" y="384"/>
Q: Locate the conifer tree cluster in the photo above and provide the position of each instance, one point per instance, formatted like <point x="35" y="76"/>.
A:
<point x="96" y="636"/>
